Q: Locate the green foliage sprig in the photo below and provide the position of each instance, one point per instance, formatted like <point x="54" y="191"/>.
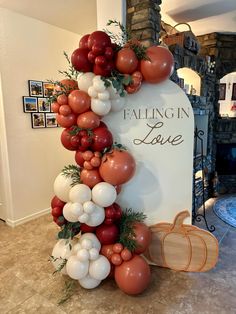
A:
<point x="71" y="74"/>
<point x="118" y="81"/>
<point x="76" y="129"/>
<point x="68" y="290"/>
<point x="119" y="39"/>
<point x="73" y="172"/>
<point x="69" y="230"/>
<point x="127" y="234"/>
<point x="61" y="265"/>
<point x="114" y="145"/>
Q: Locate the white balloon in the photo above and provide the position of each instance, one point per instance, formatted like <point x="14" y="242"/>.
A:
<point x="83" y="255"/>
<point x="68" y="214"/>
<point x="93" y="254"/>
<point x="93" y="238"/>
<point x="118" y="104"/>
<point x="97" y="78"/>
<point x="83" y="218"/>
<point x="100" y="107"/>
<point x="87" y="244"/>
<point x="80" y="193"/>
<point x="92" y="92"/>
<point x="89" y="282"/>
<point x="63" y="249"/>
<point x="62" y="186"/>
<point x="113" y="92"/>
<point x="85" y="80"/>
<point x="100" y="268"/>
<point x="77" y="209"/>
<point x="97" y="217"/>
<point x="104" y="95"/>
<point x="99" y="85"/>
<point x="75" y="268"/>
<point x="76" y="248"/>
<point x="89" y="207"/>
<point x="104" y="194"/>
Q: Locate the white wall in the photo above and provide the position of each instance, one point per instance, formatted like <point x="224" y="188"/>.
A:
<point x="225" y="105"/>
<point x="30" y="49"/>
<point x="191" y="78"/>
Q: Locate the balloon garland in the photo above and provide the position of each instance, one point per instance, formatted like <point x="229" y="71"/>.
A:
<point x="97" y="238"/>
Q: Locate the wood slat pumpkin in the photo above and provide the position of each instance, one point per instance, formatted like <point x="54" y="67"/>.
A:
<point x="182" y="247"/>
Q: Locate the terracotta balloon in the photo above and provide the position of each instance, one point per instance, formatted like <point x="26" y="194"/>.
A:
<point x="55" y="107"/>
<point x="126" y="61"/>
<point x="159" y="66"/>
<point x="117" y="167"/>
<point x="62" y="99"/>
<point x="88" y="120"/>
<point x="90" y="177"/>
<point x="133" y="276"/>
<point x="107" y="251"/>
<point x="67" y="85"/>
<point x="79" y="101"/>
<point x="143" y="237"/>
<point x="79" y="158"/>
<point x="66" y="121"/>
<point x="65" y="110"/>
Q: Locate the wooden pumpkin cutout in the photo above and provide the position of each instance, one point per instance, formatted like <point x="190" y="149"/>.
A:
<point x="182" y="247"/>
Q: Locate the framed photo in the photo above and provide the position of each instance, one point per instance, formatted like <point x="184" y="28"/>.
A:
<point x="43" y="105"/>
<point x="234" y="92"/>
<point x="47" y="89"/>
<point x="38" y="120"/>
<point x="30" y="104"/>
<point x="222" y="91"/>
<point x="36" y="88"/>
<point x="51" y="121"/>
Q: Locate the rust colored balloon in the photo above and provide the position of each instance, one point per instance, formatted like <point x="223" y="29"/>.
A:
<point x="88" y="120"/>
<point x="55" y="107"/>
<point x="143" y="237"/>
<point x="62" y="99"/>
<point x="66" y="121"/>
<point x="126" y="61"/>
<point x="107" y="251"/>
<point x="133" y="276"/>
<point x="68" y="85"/>
<point x="117" y="167"/>
<point x="65" y="110"/>
<point x="159" y="66"/>
<point x="79" y="101"/>
<point x="90" y="177"/>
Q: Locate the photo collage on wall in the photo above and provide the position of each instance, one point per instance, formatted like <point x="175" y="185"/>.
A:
<point x="38" y="104"/>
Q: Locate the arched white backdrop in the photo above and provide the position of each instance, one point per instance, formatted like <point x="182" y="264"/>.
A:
<point x="157" y="127"/>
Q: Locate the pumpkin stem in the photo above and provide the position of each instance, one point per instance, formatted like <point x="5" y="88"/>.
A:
<point x="179" y="219"/>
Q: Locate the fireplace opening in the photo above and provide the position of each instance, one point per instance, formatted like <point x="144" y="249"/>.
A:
<point x="226" y="159"/>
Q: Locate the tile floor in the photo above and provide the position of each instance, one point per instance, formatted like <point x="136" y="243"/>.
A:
<point x="28" y="286"/>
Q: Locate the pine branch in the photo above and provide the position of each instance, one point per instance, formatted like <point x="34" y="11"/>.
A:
<point x="68" y="291"/>
<point x="127" y="234"/>
<point x="73" y="172"/>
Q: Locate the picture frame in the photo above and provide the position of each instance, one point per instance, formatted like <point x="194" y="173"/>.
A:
<point x="48" y="89"/>
<point x="38" y="120"/>
<point x="30" y="104"/>
<point x="233" y="92"/>
<point x="35" y="88"/>
<point x="43" y="105"/>
<point x="222" y="91"/>
<point x="51" y="121"/>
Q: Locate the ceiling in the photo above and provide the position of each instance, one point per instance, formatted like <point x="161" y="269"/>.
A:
<point x="79" y="16"/>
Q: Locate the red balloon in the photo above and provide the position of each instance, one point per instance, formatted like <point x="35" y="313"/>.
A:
<point x="133" y="276"/>
<point x="55" y="107"/>
<point x="68" y="85"/>
<point x="85" y="228"/>
<point x="159" y="66"/>
<point x="62" y="99"/>
<point x="90" y="177"/>
<point x="88" y="120"/>
<point x="102" y="138"/>
<point x="79" y="158"/>
<point x="104" y="70"/>
<point x="99" y="38"/>
<point x="66" y="121"/>
<point x="66" y="140"/>
<point x="117" y="167"/>
<point x="107" y="234"/>
<point x="83" y="43"/>
<point x="56" y="211"/>
<point x="56" y="202"/>
<point x="65" y="110"/>
<point x="79" y="101"/>
<point x="126" y="61"/>
<point x="142" y="237"/>
<point x="79" y="60"/>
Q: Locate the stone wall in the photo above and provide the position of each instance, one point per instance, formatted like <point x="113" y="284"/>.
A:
<point x="143" y="20"/>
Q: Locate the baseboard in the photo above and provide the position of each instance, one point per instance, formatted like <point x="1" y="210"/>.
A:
<point x="14" y="223"/>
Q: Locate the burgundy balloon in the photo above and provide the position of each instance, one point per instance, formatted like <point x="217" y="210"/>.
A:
<point x="79" y="60"/>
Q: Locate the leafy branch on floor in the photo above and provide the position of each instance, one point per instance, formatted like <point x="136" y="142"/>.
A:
<point x="67" y="291"/>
